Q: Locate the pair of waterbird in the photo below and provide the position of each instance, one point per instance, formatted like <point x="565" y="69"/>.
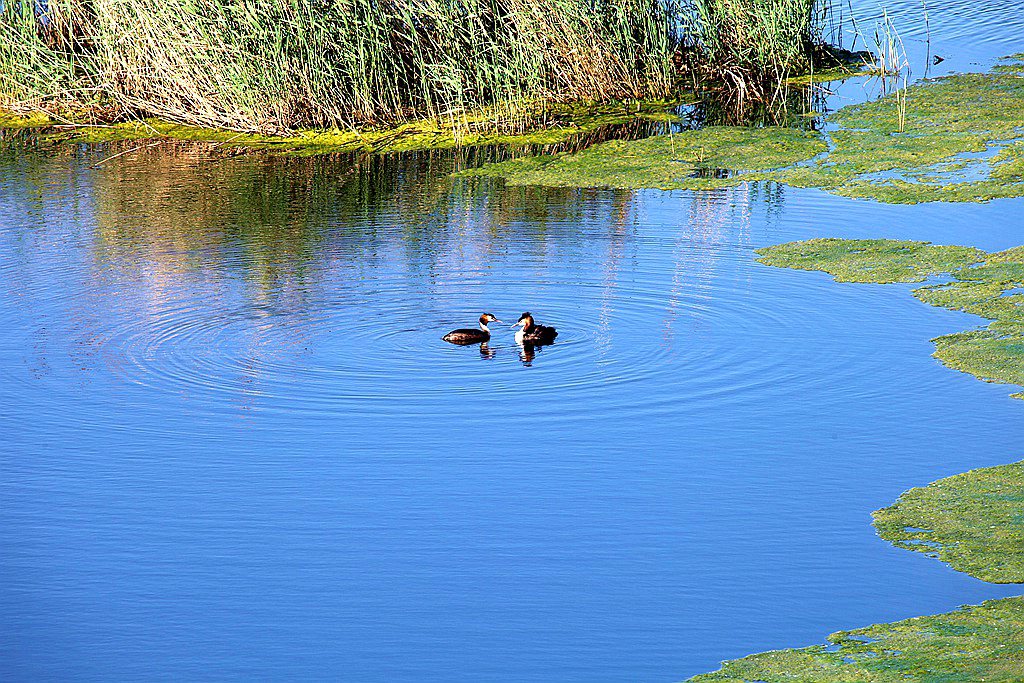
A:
<point x="532" y="333"/>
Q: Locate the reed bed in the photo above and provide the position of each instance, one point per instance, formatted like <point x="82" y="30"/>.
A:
<point x="752" y="46"/>
<point x="33" y="61"/>
<point x="272" y="66"/>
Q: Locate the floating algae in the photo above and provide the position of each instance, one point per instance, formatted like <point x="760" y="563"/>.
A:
<point x="666" y="162"/>
<point x="915" y="147"/>
<point x="879" y="261"/>
<point x="561" y="123"/>
<point x="984" y="285"/>
<point x="974" y="521"/>
<point x="979" y="643"/>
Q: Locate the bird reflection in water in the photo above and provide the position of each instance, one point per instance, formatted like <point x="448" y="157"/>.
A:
<point x="527" y="352"/>
<point x="486" y="352"/>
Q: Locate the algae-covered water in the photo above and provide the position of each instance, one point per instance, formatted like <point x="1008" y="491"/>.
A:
<point x="235" y="447"/>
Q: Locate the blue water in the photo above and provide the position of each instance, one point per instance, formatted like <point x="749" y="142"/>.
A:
<point x="233" y="446"/>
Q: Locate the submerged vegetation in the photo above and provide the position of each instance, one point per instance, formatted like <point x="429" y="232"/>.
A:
<point x="974" y="521"/>
<point x="956" y="138"/>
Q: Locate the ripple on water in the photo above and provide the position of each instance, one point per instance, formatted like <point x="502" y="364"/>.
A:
<point x="328" y="355"/>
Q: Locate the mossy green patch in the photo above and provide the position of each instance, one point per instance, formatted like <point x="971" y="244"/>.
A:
<point x="895" y="149"/>
<point x="555" y="124"/>
<point x="978" y="643"/>
<point x="407" y="138"/>
<point x="710" y="157"/>
<point x="878" y="261"/>
<point x="33" y="120"/>
<point x="988" y="285"/>
<point x="922" y="144"/>
<point x="840" y="72"/>
<point x="974" y="521"/>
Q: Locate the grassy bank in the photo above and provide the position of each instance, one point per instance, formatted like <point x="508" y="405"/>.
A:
<point x="556" y="128"/>
<point x="272" y="67"/>
<point x="255" y="65"/>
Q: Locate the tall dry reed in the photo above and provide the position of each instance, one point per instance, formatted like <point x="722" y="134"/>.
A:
<point x="752" y="46"/>
<point x="272" y="65"/>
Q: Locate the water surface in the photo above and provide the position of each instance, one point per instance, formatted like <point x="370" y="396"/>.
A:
<point x="234" y="445"/>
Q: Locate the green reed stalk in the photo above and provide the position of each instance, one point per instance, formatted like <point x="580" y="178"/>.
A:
<point x="276" y="64"/>
<point x="754" y="44"/>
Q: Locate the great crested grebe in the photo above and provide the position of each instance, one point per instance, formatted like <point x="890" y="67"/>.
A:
<point x="468" y="336"/>
<point x="533" y="333"/>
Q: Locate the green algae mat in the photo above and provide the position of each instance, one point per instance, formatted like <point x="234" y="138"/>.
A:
<point x="958" y="138"/>
<point x="564" y="122"/>
<point x="987" y="285"/>
<point x="980" y="643"/>
<point x="973" y="521"/>
<point x="699" y="159"/>
<point x="878" y="261"/>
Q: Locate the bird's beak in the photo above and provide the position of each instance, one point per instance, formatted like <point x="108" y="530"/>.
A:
<point x="516" y="325"/>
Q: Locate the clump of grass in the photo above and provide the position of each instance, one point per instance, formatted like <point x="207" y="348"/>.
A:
<point x="37" y="52"/>
<point x="753" y="46"/>
<point x="260" y="66"/>
<point x="253" y="65"/>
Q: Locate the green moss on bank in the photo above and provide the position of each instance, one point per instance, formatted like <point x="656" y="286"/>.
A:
<point x="35" y="120"/>
<point x="988" y="285"/>
<point x="933" y="156"/>
<point x="971" y="644"/>
<point x="974" y="521"/>
<point x="563" y="122"/>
